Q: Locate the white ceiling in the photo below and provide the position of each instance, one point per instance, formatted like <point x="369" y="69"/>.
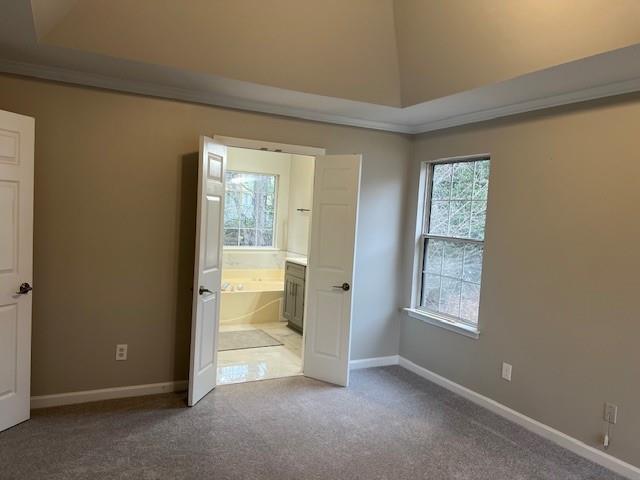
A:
<point x="22" y="52"/>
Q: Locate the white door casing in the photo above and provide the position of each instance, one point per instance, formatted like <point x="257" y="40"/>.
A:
<point x="331" y="266"/>
<point x="208" y="269"/>
<point x="17" y="135"/>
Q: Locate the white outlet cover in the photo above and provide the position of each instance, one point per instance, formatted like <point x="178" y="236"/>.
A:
<point x="611" y="413"/>
<point x="121" y="351"/>
<point x="506" y="371"/>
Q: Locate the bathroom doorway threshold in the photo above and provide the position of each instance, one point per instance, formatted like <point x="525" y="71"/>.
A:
<point x="261" y="363"/>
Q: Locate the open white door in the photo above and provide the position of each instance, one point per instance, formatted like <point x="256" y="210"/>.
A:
<point x="330" y="272"/>
<point x="16" y="260"/>
<point x="208" y="269"/>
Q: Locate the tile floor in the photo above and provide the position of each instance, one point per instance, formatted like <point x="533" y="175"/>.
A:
<point x="237" y="366"/>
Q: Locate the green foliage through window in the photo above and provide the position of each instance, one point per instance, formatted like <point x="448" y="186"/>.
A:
<point x="249" y="209"/>
<point x="454" y="242"/>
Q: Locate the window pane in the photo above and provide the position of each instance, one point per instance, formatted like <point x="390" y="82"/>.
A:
<point x="264" y="238"/>
<point x="451" y="278"/>
<point x="231" y="237"/>
<point x="433" y="257"/>
<point x="247" y="238"/>
<point x="459" y="219"/>
<point x="452" y="259"/>
<point x="231" y="210"/>
<point x="472" y="267"/>
<point x="441" y="186"/>
<point x="247" y="210"/>
<point x="481" y="180"/>
<point x="458" y="199"/>
<point x="265" y="210"/>
<point x="469" y="302"/>
<point x="450" y="296"/>
<point x="249" y="213"/>
<point x="462" y="186"/>
<point x="233" y="181"/>
<point x="431" y="291"/>
<point x="439" y="219"/>
<point x="478" y="218"/>
<point x="265" y="183"/>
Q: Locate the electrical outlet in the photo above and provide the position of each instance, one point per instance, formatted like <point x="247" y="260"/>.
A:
<point x="506" y="371"/>
<point x="121" y="351"/>
<point x="610" y="413"/>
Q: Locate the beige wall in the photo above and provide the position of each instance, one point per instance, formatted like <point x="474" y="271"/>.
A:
<point x="300" y="196"/>
<point x="337" y="48"/>
<point x="560" y="283"/>
<point x="448" y="46"/>
<point x="115" y="187"/>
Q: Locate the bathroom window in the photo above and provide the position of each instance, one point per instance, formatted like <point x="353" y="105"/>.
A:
<point x="453" y="239"/>
<point x="250" y="209"/>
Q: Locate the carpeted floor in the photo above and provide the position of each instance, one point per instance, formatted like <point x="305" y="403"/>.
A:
<point x="390" y="424"/>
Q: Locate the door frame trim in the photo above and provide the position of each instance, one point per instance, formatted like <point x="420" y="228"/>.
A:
<point x="267" y="146"/>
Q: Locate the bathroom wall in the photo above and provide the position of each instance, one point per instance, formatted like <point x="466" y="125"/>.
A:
<point x="244" y="160"/>
<point x="300" y="196"/>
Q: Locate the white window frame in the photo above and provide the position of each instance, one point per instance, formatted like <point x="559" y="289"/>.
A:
<point x="274" y="235"/>
<point x="447" y="322"/>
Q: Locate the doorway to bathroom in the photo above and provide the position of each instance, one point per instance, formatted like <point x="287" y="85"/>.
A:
<point x="315" y="297"/>
<point x="267" y="216"/>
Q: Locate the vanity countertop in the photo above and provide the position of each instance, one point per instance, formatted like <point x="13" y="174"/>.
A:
<point x="299" y="260"/>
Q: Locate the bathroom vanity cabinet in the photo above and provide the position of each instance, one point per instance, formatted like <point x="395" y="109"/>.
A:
<point x="294" y="283"/>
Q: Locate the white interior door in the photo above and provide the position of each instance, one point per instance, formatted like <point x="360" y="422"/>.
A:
<point x="16" y="259"/>
<point x="330" y="272"/>
<point x="208" y="269"/>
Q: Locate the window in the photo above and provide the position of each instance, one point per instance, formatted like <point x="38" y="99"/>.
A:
<point x="249" y="209"/>
<point x="453" y="238"/>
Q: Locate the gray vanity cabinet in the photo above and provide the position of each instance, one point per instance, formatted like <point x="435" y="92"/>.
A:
<point x="294" y="283"/>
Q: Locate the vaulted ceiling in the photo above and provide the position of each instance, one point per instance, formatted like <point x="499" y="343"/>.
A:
<point x="401" y="63"/>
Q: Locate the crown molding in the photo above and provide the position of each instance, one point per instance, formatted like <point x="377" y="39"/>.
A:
<point x="76" y="77"/>
<point x="577" y="96"/>
<point x="405" y="120"/>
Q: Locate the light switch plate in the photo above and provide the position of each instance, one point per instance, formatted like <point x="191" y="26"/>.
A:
<point x="506" y="371"/>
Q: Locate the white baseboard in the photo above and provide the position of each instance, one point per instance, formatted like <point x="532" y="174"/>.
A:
<point x="576" y="446"/>
<point x="72" y="398"/>
<point x="374" y="362"/>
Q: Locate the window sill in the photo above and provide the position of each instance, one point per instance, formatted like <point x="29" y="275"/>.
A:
<point x="443" y="322"/>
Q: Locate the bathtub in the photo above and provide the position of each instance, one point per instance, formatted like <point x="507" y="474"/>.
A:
<point x="251" y="296"/>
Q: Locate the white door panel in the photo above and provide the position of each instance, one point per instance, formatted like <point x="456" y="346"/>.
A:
<point x="16" y="258"/>
<point x="207" y="270"/>
<point x="9" y="221"/>
<point x="331" y="261"/>
<point x="8" y="349"/>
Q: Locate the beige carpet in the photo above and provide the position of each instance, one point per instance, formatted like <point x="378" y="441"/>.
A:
<point x="389" y="424"/>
